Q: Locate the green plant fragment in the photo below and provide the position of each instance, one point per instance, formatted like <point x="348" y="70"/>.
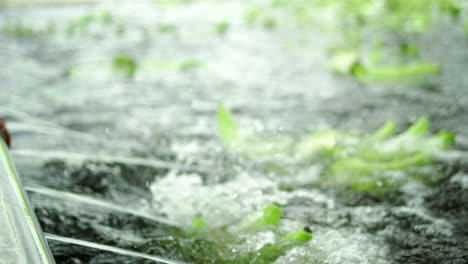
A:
<point x="271" y="216"/>
<point x="125" y="65"/>
<point x="227" y="128"/>
<point x="419" y="128"/>
<point x="222" y="27"/>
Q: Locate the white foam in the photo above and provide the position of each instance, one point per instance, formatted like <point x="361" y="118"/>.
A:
<point x="338" y="247"/>
<point x="461" y="178"/>
<point x="181" y="197"/>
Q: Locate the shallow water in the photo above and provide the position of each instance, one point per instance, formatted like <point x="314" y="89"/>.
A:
<point x="128" y="162"/>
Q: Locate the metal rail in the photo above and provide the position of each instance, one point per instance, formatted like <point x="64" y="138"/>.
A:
<point x="21" y="237"/>
<point x="116" y="250"/>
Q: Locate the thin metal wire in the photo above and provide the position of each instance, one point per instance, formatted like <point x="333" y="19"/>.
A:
<point x="117" y="250"/>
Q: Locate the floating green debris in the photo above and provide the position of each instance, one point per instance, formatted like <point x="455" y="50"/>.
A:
<point x="188" y="65"/>
<point x="363" y="162"/>
<point x="367" y="162"/>
<point x="227" y="128"/>
<point x="19" y="31"/>
<point x="409" y="50"/>
<point x="413" y="70"/>
<point x="198" y="224"/>
<point x="167" y="28"/>
<point x="51" y="28"/>
<point x="120" y="30"/>
<point x="84" y="22"/>
<point x="252" y="15"/>
<point x="271" y="217"/>
<point x="348" y="63"/>
<point x="222" y="27"/>
<point x="406" y="19"/>
<point x="227" y="240"/>
<point x="258" y="15"/>
<point x="271" y="252"/>
<point x="106" y="17"/>
<point x="301" y="235"/>
<point x="255" y="146"/>
<point x="269" y="22"/>
<point x="125" y="64"/>
<point x="385" y="131"/>
<point x="70" y="30"/>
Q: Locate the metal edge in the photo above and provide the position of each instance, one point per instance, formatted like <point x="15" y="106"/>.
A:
<point x="34" y="230"/>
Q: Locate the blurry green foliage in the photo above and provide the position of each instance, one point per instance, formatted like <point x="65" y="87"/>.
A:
<point x="252" y="15"/>
<point x="228" y="130"/>
<point x="385" y="19"/>
<point x="269" y="22"/>
<point x="105" y="17"/>
<point x="167" y="28"/>
<point x="120" y="30"/>
<point x="125" y="65"/>
<point x="270" y="218"/>
<point x="189" y="64"/>
<point x="83" y="23"/>
<point x="222" y="27"/>
<point x="259" y="15"/>
<point x="51" y="28"/>
<point x="349" y="62"/>
<point x="70" y="30"/>
<point x="363" y="162"/>
<point x="227" y="240"/>
<point x="19" y="30"/>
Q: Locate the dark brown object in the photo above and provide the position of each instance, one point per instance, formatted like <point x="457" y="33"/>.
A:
<point x="4" y="132"/>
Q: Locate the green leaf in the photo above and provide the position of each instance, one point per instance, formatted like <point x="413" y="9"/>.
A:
<point x="446" y="139"/>
<point x="301" y="235"/>
<point x="227" y="128"/>
<point x="271" y="216"/>
<point x="197" y="226"/>
<point x="419" y="128"/>
<point x="198" y="223"/>
<point x="222" y="27"/>
<point x="397" y="72"/>
<point x="125" y="65"/>
<point x="189" y="64"/>
<point x="271" y="252"/>
<point x="385" y="131"/>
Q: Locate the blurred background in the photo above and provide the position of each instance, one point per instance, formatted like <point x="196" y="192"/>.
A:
<point x="159" y="128"/>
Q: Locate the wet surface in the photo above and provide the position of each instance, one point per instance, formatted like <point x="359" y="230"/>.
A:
<point x="148" y="144"/>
